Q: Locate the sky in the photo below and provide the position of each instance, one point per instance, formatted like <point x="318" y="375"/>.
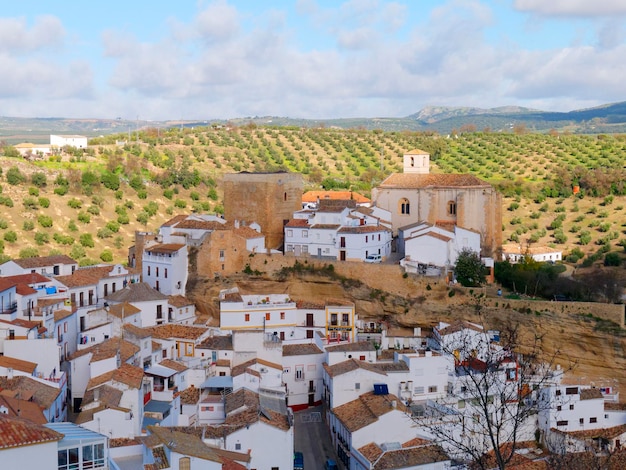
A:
<point x="314" y="59"/>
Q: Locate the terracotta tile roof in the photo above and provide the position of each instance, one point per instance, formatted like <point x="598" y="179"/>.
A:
<point x="29" y="325"/>
<point x="43" y="261"/>
<point x="190" y="396"/>
<point x="62" y="314"/>
<point x="86" y="276"/>
<point x="174" y="365"/>
<point x="308" y="305"/>
<point x="217" y="343"/>
<point x="172" y="330"/>
<point x="247" y="233"/>
<point x="223" y="363"/>
<point x="107" y="395"/>
<point x="136" y="292"/>
<point x="351" y="364"/>
<point x="126" y="374"/>
<point x="416" y="181"/>
<point x="28" y="410"/>
<point x="514" y="248"/>
<point x="606" y="433"/>
<point x="243" y="409"/>
<point x="363" y="229"/>
<point x="590" y="393"/>
<point x="436" y="235"/>
<point x="108" y="349"/>
<point x="245" y="367"/>
<point x="188" y="224"/>
<point x="190" y="444"/>
<point x="136" y="331"/>
<point x="28" y="278"/>
<point x="165" y="248"/>
<point x="301" y="349"/>
<point x="23" y="289"/>
<point x="405" y="457"/>
<point x="17" y="432"/>
<point x="416" y="152"/>
<point x="312" y="196"/>
<point x="297" y="223"/>
<point x="18" y="364"/>
<point x="123" y="309"/>
<point x="366" y="410"/>
<point x="357" y="346"/>
<point x="326" y="226"/>
<point x="174" y="220"/>
<point x="42" y="394"/>
<point x="179" y="301"/>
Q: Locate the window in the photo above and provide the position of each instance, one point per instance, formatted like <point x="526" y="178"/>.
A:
<point x="148" y="270"/>
<point x="165" y="273"/>
<point x="366" y="238"/>
<point x="238" y="446"/>
<point x="562" y="423"/>
<point x="432" y="389"/>
<point x="93" y="456"/>
<point x="299" y="372"/>
<point x="593" y="420"/>
<point x="571" y="407"/>
<point x="267" y="316"/>
<point x="581" y="421"/>
<point x="461" y="404"/>
<point x="184" y="463"/>
<point x="159" y="311"/>
<point x="571" y="391"/>
<point x="357" y="386"/>
<point x="558" y="408"/>
<point x="157" y="271"/>
<point x="361" y="358"/>
<point x="290" y="233"/>
<point x="405" y="207"/>
<point x="282" y="315"/>
<point x="333" y="319"/>
<point x="222" y="255"/>
<point x="247" y="317"/>
<point x="451" y="208"/>
<point x="68" y="459"/>
<point x="305" y="234"/>
<point x="418" y="391"/>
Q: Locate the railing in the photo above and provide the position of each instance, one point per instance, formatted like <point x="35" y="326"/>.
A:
<point x="12" y="308"/>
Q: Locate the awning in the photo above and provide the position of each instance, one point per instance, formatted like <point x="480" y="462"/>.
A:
<point x="218" y="381"/>
<point x="160" y="371"/>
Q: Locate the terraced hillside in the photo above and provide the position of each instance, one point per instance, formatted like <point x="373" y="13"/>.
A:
<point x="88" y="204"/>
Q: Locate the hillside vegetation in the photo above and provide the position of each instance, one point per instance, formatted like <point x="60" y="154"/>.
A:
<point x="88" y="204"/>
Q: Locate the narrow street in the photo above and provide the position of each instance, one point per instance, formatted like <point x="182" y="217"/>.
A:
<point x="312" y="438"/>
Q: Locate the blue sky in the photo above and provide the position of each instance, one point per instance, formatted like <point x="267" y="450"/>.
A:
<point x="205" y="59"/>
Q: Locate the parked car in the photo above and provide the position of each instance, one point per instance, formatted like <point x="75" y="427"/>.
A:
<point x="330" y="465"/>
<point x="298" y="461"/>
<point x="373" y="259"/>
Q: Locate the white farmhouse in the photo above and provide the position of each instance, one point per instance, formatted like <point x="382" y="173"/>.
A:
<point x="60" y="141"/>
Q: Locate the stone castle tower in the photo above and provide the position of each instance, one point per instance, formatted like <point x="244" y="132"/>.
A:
<point x="269" y="199"/>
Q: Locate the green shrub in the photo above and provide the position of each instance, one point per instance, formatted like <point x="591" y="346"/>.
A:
<point x="72" y="227"/>
<point x="42" y="238"/>
<point x="44" y="202"/>
<point x="4" y="224"/>
<point x="93" y="210"/>
<point x="78" y="252"/>
<point x="75" y="203"/>
<point x="39" y="179"/>
<point x="44" y="220"/>
<point x="84" y="217"/>
<point x="6" y="201"/>
<point x="30" y="203"/>
<point x="86" y="240"/>
<point x="123" y="219"/>
<point x="61" y="190"/>
<point x="10" y="236"/>
<point x="180" y="203"/>
<point x="119" y="195"/>
<point x="113" y="226"/>
<point x="106" y="256"/>
<point x="168" y="193"/>
<point x="612" y="259"/>
<point x="28" y="225"/>
<point x="15" y="176"/>
<point x="110" y="181"/>
<point x="142" y="194"/>
<point x="29" y="252"/>
<point x="83" y="262"/>
<point x="63" y="239"/>
<point x="104" y="232"/>
<point x="33" y="191"/>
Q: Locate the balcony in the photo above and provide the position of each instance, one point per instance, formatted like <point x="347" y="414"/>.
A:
<point x="9" y="309"/>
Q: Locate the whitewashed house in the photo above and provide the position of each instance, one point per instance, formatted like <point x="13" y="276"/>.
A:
<point x="60" y="141"/>
<point x="303" y="374"/>
<point x="181" y="310"/>
<point x="514" y="253"/>
<point x="28" y="445"/>
<point x="48" y="266"/>
<point x="164" y="267"/>
<point x="153" y="304"/>
<point x="335" y="229"/>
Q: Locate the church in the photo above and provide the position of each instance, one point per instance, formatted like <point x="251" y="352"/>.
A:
<point x="446" y="200"/>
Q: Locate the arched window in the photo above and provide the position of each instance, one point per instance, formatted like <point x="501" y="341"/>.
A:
<point x="184" y="463"/>
<point x="404" y="206"/>
<point x="412" y="161"/>
<point x="451" y="208"/>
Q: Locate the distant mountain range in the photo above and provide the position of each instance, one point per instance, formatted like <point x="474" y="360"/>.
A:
<point x="609" y="118"/>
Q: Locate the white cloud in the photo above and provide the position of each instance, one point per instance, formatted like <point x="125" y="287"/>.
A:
<point x="588" y="8"/>
<point x="17" y="38"/>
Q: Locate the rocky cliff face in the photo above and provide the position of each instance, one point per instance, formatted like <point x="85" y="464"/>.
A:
<point x="596" y="349"/>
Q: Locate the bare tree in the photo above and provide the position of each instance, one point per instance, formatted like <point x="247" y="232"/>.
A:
<point x="491" y="404"/>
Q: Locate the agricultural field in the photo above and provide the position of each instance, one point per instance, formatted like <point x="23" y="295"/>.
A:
<point x="560" y="190"/>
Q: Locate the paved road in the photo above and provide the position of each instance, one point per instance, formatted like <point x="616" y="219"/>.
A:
<point x="312" y="438"/>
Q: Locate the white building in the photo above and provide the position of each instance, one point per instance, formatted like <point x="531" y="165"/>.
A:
<point x="336" y="229"/>
<point x="302" y="374"/>
<point x="28" y="445"/>
<point x="514" y="253"/>
<point x="60" y="141"/>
